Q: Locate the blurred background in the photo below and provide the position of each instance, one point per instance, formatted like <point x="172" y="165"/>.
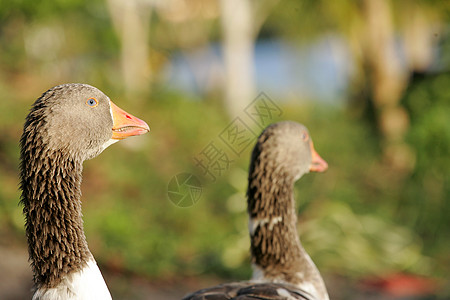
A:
<point x="370" y="79"/>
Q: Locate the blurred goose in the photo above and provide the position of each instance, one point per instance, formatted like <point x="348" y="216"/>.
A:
<point x="281" y="267"/>
<point x="68" y="124"/>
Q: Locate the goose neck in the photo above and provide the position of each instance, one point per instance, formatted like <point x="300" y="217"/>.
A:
<point x="272" y="220"/>
<point x="51" y="195"/>
<point x="277" y="254"/>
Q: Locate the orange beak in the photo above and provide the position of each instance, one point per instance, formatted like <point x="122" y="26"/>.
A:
<point x="318" y="164"/>
<point x="126" y="125"/>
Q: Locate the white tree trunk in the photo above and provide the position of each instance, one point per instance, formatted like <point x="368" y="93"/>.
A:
<point x="131" y="20"/>
<point x="418" y="37"/>
<point x="238" y="47"/>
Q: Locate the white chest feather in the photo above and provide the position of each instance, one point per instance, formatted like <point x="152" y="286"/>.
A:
<point x="254" y="223"/>
<point x="87" y="284"/>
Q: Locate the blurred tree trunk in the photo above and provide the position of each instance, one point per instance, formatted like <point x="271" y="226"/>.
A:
<point x="241" y="21"/>
<point x="238" y="43"/>
<point x="388" y="80"/>
<point x="418" y="36"/>
<point x="131" y="19"/>
<point x="383" y="76"/>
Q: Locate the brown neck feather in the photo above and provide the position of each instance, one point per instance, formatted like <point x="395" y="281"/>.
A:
<point x="271" y="208"/>
<point x="50" y="183"/>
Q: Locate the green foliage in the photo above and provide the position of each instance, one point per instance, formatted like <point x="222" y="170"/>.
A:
<point x="41" y="9"/>
<point x="429" y="188"/>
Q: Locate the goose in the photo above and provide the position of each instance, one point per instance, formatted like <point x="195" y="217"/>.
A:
<point x="67" y="125"/>
<point x="281" y="267"/>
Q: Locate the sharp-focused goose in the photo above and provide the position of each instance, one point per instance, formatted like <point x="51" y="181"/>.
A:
<point x="68" y="124"/>
<point x="281" y="267"/>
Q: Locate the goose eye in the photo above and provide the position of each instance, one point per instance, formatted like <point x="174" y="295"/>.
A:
<point x="91" y="102"/>
<point x="305" y="136"/>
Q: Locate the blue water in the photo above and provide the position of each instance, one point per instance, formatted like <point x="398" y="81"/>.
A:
<point x="316" y="71"/>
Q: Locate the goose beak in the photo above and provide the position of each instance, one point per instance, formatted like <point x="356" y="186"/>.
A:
<point x="318" y="164"/>
<point x="125" y="124"/>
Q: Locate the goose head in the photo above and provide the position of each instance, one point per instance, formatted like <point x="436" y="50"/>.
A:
<point x="287" y="149"/>
<point x="80" y="121"/>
